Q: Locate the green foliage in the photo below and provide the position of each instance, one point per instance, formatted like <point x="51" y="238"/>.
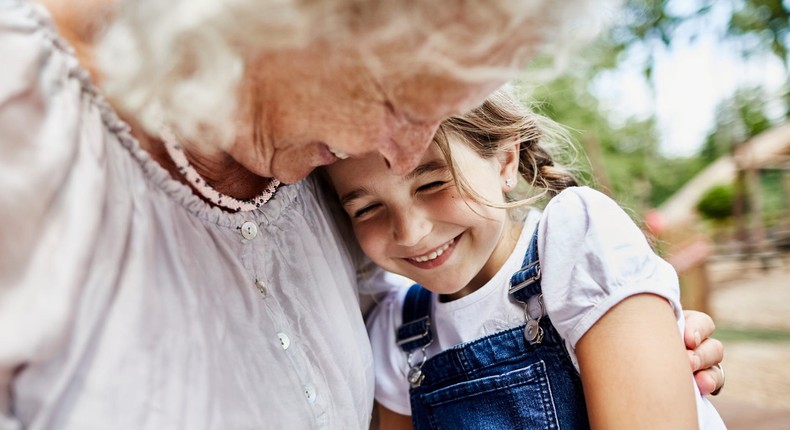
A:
<point x="767" y="20"/>
<point x="667" y="175"/>
<point x="766" y="23"/>
<point x="654" y="23"/>
<point x="717" y="203"/>
<point x="774" y="202"/>
<point x="624" y="156"/>
<point x="738" y="119"/>
<point x="741" y="334"/>
<point x="633" y="170"/>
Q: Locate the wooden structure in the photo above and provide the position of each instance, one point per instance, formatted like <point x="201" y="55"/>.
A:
<point x="685" y="248"/>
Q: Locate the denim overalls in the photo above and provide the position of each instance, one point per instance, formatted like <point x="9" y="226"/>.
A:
<point x="521" y="378"/>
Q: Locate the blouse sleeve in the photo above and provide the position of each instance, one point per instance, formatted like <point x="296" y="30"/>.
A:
<point x="392" y="388"/>
<point x="593" y="256"/>
<point x="373" y="282"/>
<point x="46" y="187"/>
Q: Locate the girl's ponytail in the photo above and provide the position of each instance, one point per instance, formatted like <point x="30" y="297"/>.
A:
<point x="537" y="166"/>
<point x="492" y="127"/>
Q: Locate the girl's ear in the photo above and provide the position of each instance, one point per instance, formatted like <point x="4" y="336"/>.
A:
<point x="509" y="161"/>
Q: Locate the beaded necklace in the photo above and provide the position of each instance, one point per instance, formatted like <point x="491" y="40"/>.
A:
<point x="185" y="168"/>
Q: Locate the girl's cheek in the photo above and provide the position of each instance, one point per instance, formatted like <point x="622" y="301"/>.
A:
<point x="371" y="239"/>
<point x="359" y="232"/>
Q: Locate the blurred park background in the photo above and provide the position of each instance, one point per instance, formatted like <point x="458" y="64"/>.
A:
<point x="682" y="113"/>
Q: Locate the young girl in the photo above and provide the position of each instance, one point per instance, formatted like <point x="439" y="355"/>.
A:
<point x="511" y="318"/>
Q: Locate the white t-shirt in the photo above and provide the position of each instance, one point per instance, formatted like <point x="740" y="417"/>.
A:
<point x="592" y="257"/>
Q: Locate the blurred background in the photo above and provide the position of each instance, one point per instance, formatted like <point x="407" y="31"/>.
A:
<point x="682" y="114"/>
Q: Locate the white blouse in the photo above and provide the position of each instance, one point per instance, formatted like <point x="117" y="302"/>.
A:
<point x="126" y="302"/>
<point x="592" y="258"/>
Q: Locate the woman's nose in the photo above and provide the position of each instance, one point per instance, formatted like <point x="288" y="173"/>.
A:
<point x="407" y="145"/>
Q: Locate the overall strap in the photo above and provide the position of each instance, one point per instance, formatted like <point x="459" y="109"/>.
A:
<point x="525" y="283"/>
<point x="415" y="332"/>
<point x="525" y="287"/>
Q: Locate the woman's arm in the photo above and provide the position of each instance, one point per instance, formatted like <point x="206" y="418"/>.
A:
<point x="389" y="420"/>
<point x="635" y="370"/>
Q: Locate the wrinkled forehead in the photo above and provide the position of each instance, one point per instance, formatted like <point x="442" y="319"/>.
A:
<point x="443" y="69"/>
<point x="427" y="84"/>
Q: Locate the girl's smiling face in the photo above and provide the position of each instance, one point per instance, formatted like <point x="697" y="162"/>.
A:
<point x="421" y="226"/>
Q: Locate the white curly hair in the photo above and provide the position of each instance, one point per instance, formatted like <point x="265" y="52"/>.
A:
<point x="180" y="62"/>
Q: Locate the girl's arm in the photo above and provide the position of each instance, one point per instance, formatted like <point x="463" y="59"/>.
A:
<point x="635" y="370"/>
<point x="389" y="420"/>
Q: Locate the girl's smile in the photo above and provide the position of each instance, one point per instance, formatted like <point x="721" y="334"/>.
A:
<point x="435" y="258"/>
<point x="421" y="225"/>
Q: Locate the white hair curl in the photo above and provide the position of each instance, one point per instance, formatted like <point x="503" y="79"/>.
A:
<point x="179" y="62"/>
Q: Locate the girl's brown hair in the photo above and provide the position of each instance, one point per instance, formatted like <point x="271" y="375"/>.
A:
<point x="495" y="125"/>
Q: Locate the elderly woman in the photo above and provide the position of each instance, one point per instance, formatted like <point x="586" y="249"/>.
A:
<point x="153" y="272"/>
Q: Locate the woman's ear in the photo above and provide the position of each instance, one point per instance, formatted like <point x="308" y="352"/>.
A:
<point x="509" y="161"/>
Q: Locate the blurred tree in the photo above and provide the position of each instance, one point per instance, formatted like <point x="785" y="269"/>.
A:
<point x="766" y="20"/>
<point x="625" y="152"/>
<point x="631" y="167"/>
<point x="757" y="26"/>
<point x="775" y="203"/>
<point x="738" y="118"/>
<point x="717" y="203"/>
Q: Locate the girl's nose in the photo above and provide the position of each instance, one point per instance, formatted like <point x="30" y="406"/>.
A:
<point x="410" y="227"/>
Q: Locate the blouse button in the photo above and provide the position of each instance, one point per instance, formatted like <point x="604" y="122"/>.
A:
<point x="285" y="342"/>
<point x="249" y="230"/>
<point x="262" y="288"/>
<point x="309" y="392"/>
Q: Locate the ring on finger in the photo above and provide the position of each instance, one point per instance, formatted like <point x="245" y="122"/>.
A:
<point x="721" y="370"/>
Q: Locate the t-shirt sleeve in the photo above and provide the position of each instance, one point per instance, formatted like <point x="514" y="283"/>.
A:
<point x="592" y="257"/>
<point x="392" y="388"/>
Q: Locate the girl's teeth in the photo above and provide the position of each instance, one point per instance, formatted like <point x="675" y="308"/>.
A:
<point x="338" y="154"/>
<point x="435" y="254"/>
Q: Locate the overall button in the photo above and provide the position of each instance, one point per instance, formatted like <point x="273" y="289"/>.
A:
<point x="285" y="342"/>
<point x="249" y="230"/>
<point x="309" y="392"/>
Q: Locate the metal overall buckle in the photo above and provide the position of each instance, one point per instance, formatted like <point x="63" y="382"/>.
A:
<point x="415" y="375"/>
<point x="533" y="332"/>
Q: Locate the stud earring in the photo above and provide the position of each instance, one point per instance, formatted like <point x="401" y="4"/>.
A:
<point x="509" y="182"/>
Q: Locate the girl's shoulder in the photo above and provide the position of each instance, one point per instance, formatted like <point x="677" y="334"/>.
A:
<point x="390" y="365"/>
<point x="386" y="315"/>
<point x="593" y="255"/>
<point x="575" y="212"/>
<point x="582" y="198"/>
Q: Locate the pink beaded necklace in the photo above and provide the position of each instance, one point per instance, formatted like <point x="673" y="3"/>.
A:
<point x="185" y="168"/>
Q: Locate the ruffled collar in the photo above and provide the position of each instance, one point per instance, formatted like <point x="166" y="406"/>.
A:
<point x="158" y="175"/>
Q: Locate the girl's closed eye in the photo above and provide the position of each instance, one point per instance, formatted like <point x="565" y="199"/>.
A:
<point x="432" y="186"/>
<point x="364" y="210"/>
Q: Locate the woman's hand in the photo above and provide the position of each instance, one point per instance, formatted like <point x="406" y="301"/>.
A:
<point x="703" y="352"/>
